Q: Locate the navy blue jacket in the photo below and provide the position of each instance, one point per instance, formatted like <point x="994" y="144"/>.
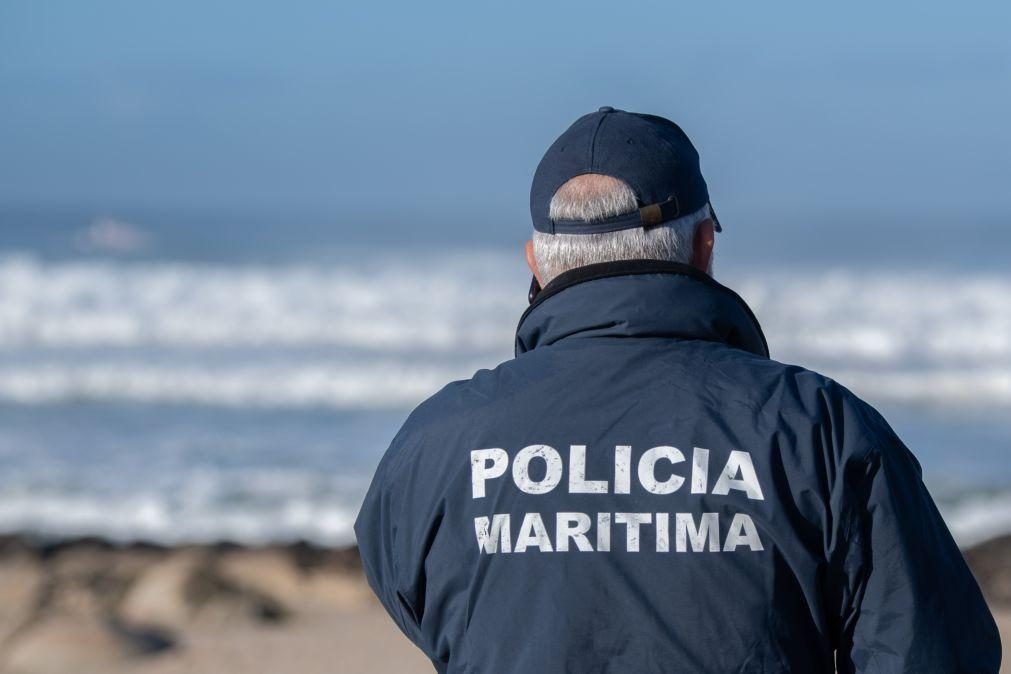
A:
<point x="643" y="490"/>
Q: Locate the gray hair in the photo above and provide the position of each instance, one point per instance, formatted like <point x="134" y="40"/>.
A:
<point x="593" y="197"/>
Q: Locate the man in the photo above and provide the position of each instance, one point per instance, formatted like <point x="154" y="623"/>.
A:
<point x="642" y="489"/>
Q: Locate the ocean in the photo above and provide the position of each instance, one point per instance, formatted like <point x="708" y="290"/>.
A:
<point x="172" y="382"/>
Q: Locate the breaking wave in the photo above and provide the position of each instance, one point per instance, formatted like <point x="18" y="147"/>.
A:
<point x="337" y="383"/>
<point x="162" y="518"/>
<point x="151" y="517"/>
<point x="377" y="332"/>
<point x="978" y="517"/>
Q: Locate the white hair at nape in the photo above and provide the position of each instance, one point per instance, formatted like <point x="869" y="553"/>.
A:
<point x="593" y="197"/>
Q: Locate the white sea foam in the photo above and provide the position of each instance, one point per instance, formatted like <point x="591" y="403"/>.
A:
<point x="886" y="319"/>
<point x="976" y="518"/>
<point x="386" y="333"/>
<point x="299" y="515"/>
<point x="344" y="384"/>
<point x="160" y="517"/>
<point x="370" y="306"/>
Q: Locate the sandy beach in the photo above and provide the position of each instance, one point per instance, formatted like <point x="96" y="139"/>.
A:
<point x="88" y="606"/>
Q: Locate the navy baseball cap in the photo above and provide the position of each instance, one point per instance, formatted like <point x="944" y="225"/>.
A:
<point x="649" y="153"/>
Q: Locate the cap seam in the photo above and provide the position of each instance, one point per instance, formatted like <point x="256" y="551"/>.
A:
<point x="593" y="141"/>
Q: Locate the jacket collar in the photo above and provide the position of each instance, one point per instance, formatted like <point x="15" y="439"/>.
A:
<point x="639" y="298"/>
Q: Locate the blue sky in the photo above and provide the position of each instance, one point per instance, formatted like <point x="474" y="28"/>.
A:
<point x="443" y="109"/>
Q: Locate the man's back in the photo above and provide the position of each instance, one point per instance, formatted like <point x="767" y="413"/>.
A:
<point x="643" y="490"/>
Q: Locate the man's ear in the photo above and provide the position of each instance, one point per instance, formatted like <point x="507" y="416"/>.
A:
<point x="532" y="262"/>
<point x="702" y="246"/>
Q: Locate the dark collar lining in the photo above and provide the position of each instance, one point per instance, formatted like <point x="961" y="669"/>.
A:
<point x="631" y="268"/>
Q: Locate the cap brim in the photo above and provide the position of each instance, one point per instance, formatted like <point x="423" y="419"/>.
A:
<point x="716" y="221"/>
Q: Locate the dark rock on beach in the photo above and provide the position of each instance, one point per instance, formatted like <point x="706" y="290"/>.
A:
<point x="91" y="606"/>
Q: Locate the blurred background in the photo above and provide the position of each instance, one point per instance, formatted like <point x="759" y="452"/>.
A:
<point x="240" y="241"/>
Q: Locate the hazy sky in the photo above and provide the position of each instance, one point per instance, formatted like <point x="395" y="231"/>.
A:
<point x="439" y="108"/>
